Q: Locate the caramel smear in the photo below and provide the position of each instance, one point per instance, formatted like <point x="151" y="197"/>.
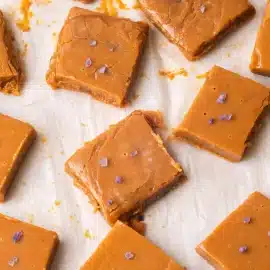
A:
<point x="110" y="6"/>
<point x="172" y="74"/>
<point x="24" y="23"/>
<point x="202" y="76"/>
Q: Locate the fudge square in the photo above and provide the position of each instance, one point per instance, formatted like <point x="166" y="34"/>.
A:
<point x="97" y="54"/>
<point x="195" y="26"/>
<point x="125" y="249"/>
<point x="9" y="75"/>
<point x="124" y="168"/>
<point x="260" y="61"/>
<point x="242" y="240"/>
<point x="16" y="138"/>
<point x="24" y="246"/>
<point x="225" y="114"/>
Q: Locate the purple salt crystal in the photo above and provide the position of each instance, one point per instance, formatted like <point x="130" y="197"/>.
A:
<point x="129" y="255"/>
<point x="243" y="249"/>
<point x="13" y="261"/>
<point x="211" y="121"/>
<point x="104" y="162"/>
<point x="247" y="220"/>
<point x="93" y="43"/>
<point x="17" y="236"/>
<point x="103" y="69"/>
<point x="226" y="117"/>
<point x="118" y="180"/>
<point x="222" y="98"/>
<point x="88" y="63"/>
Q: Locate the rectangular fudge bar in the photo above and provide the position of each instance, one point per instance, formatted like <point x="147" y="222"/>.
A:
<point x="125" y="168"/>
<point x="242" y="240"/>
<point x="225" y="114"/>
<point x="9" y="73"/>
<point x="260" y="61"/>
<point x="16" y="138"/>
<point x="97" y="54"/>
<point x="196" y="26"/>
<point x="125" y="249"/>
<point x="24" y="246"/>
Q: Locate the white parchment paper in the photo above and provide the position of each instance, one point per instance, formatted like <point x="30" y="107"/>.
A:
<point x="64" y="120"/>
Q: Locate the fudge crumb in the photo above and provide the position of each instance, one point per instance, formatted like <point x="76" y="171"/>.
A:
<point x="202" y="76"/>
<point x="88" y="234"/>
<point x="222" y="98"/>
<point x="247" y="220"/>
<point x="104" y="162"/>
<point x="172" y="74"/>
<point x="43" y="139"/>
<point x="129" y="255"/>
<point x="243" y="249"/>
<point x="93" y="43"/>
<point x="118" y="180"/>
<point x="203" y="8"/>
<point x="57" y="203"/>
<point x="211" y="121"/>
<point x="24" y="23"/>
<point x="88" y="63"/>
<point x="137" y="5"/>
<point x="13" y="261"/>
<point x="17" y="237"/>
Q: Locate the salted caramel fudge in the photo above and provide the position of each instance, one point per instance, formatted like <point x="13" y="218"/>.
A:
<point x="260" y="61"/>
<point x="195" y="26"/>
<point x="97" y="54"/>
<point x="242" y="240"/>
<point x="16" y="138"/>
<point x="225" y="114"/>
<point x="9" y="72"/>
<point x="24" y="246"/>
<point x="125" y="168"/>
<point x="123" y="249"/>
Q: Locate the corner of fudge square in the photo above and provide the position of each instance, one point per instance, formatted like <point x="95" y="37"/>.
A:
<point x="225" y="115"/>
<point x="125" y="168"/>
<point x="241" y="241"/>
<point x="98" y="54"/>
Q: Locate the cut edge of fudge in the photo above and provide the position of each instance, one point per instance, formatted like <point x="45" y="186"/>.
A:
<point x="207" y="46"/>
<point x="202" y="251"/>
<point x="18" y="162"/>
<point x="96" y="92"/>
<point x="183" y="134"/>
<point x="53" y="233"/>
<point x="154" y="121"/>
<point x="254" y="65"/>
<point x="10" y="85"/>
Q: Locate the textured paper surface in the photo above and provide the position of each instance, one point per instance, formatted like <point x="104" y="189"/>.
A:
<point x="64" y="120"/>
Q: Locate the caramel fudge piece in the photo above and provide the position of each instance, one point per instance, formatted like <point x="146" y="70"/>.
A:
<point x="9" y="75"/>
<point x="225" y="114"/>
<point x="242" y="240"/>
<point x="97" y="54"/>
<point x="260" y="61"/>
<point x="24" y="246"/>
<point x="195" y="26"/>
<point x="15" y="139"/>
<point x="124" y="168"/>
<point x="123" y="249"/>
